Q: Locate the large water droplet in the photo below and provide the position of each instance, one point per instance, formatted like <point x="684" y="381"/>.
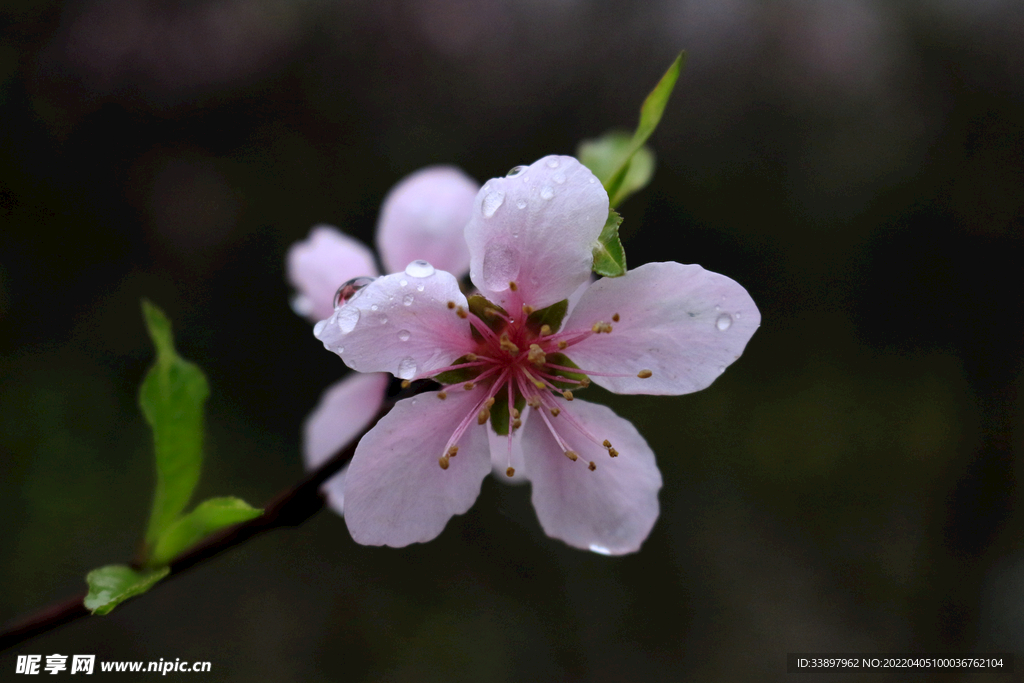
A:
<point x="406" y="368"/>
<point x="419" y="268"/>
<point x="407" y="300"/>
<point x="348" y="290"/>
<point x="724" y="322"/>
<point x="404" y="335"/>
<point x="520" y="203"/>
<point x="515" y="171"/>
<point x="501" y="266"/>
<point x="547" y="192"/>
<point x="559" y="177"/>
<point x="552" y="163"/>
<point x="492" y="200"/>
<point x="599" y="549"/>
<point x="346" y="317"/>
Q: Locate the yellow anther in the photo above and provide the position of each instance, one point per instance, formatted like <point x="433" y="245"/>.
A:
<point x="562" y="345"/>
<point x="533" y="402"/>
<point x="571" y="455"/>
<point x="545" y="330"/>
<point x="470" y="357"/>
<point x="489" y="402"/>
<point x="540" y="385"/>
<point x="607" y="443"/>
<point x="442" y="395"/>
<point x="537" y="355"/>
<point x="644" y="374"/>
<point x="489" y="313"/>
<point x="592" y="466"/>
<point x="506" y="344"/>
<point x="615" y="318"/>
<point x="451" y="304"/>
<point x="555" y="412"/>
<point x="513" y="286"/>
<point x="596" y="327"/>
<point x="461" y="312"/>
<point x="510" y="472"/>
<point x="405" y="383"/>
<point x="527" y="309"/>
<point x="452" y="452"/>
<point x="567" y="395"/>
<point x="515" y="413"/>
<point x="468" y="385"/>
<point x="516" y="424"/>
<point x="443" y="462"/>
<point x="612" y="452"/>
<point x="584" y="383"/>
<point x="483" y="416"/>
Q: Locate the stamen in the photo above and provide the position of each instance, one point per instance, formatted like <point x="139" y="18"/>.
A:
<point x="537" y="355"/>
<point x="562" y="345"/>
<point x="489" y="402"/>
<point x="644" y="374"/>
<point x="556" y="411"/>
<point x="442" y="395"/>
<point x="516" y="424"/>
<point x="527" y="309"/>
<point x="452" y="452"/>
<point x="443" y="462"/>
<point x="461" y="312"/>
<point x="405" y="383"/>
<point x="545" y="330"/>
<point x="513" y="286"/>
<point x="510" y="472"/>
<point x="483" y="416"/>
<point x="533" y="402"/>
<point x="471" y="357"/>
<point x="515" y="411"/>
<point x="615" y="318"/>
<point x="506" y="344"/>
<point x="592" y="466"/>
<point x="468" y="386"/>
<point x="571" y="455"/>
<point x="451" y="304"/>
<point x="612" y="452"/>
<point x="567" y="395"/>
<point x="607" y="443"/>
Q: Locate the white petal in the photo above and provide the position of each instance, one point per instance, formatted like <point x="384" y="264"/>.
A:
<point x="395" y="491"/>
<point x="321" y="263"/>
<point x="683" y="323"/>
<point x="400" y="324"/>
<point x="610" y="510"/>
<point x="424" y="217"/>
<point x="538" y="229"/>
<point x="344" y="411"/>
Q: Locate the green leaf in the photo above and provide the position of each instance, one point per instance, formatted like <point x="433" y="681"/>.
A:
<point x="605" y="155"/>
<point x="172" y="397"/>
<point x="111" y="585"/>
<point x="650" y="115"/>
<point x="609" y="256"/>
<point x="209" y="516"/>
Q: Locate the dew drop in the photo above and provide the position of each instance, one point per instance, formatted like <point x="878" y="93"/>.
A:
<point x="559" y="178"/>
<point x="348" y="290"/>
<point x="406" y="368"/>
<point x="419" y="288"/>
<point x="515" y="171"/>
<point x="520" y="203"/>
<point x="552" y="163"/>
<point x="491" y="202"/>
<point x="593" y="180"/>
<point x="383" y="320"/>
<point x="407" y="300"/>
<point x="319" y="327"/>
<point x="419" y="269"/>
<point x="404" y="283"/>
<point x="599" y="549"/>
<point x="404" y="335"/>
<point x="373" y="307"/>
<point x="724" y="322"/>
<point x="346" y="317"/>
<point x="547" y="192"/>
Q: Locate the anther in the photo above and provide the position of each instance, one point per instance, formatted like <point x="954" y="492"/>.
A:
<point x="515" y="413"/>
<point x="489" y="402"/>
<point x="443" y="462"/>
<point x="513" y="286"/>
<point x="585" y="382"/>
<point x="471" y="357"/>
<point x="596" y="328"/>
<point x="592" y="466"/>
<point x="644" y="374"/>
<point x="533" y="402"/>
<point x="468" y="385"/>
<point x="567" y="395"/>
<point x="452" y="452"/>
<point x="555" y="412"/>
<point x="442" y="395"/>
<point x="510" y="472"/>
<point x="563" y="345"/>
<point x="489" y="313"/>
<point x="451" y="304"/>
<point x="527" y="309"/>
<point x="483" y="416"/>
<point x="506" y="344"/>
<point x="607" y="443"/>
<point x="571" y="455"/>
<point x="540" y="385"/>
<point x="612" y="452"/>
<point x="615" y="318"/>
<point x="537" y="355"/>
<point x="516" y="424"/>
<point x="405" y="383"/>
<point x="545" y="330"/>
<point x="461" y="312"/>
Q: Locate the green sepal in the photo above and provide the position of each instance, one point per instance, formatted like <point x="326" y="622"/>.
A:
<point x="172" y="397"/>
<point x="499" y="413"/>
<point x="605" y="155"/>
<point x="484" y="310"/>
<point x="609" y="256"/>
<point x="551" y="316"/>
<point x="650" y="115"/>
<point x="562" y="359"/>
<point x="208" y="516"/>
<point x="458" y="376"/>
<point x="111" y="585"/>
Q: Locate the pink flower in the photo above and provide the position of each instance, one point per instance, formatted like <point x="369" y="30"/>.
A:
<point x="663" y="328"/>
<point x="423" y="216"/>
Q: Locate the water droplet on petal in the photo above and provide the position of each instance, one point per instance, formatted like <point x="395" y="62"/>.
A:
<point x="404" y="335"/>
<point x="520" y="203"/>
<point x="373" y="307"/>
<point x="406" y="368"/>
<point x="593" y="180"/>
<point x="348" y="290"/>
<point x="407" y="300"/>
<point x="599" y="549"/>
<point x="319" y="327"/>
<point x="552" y="163"/>
<point x="383" y="320"/>
<point x="419" y="268"/>
<point x="501" y="266"/>
<point x="547" y="192"/>
<point x="559" y="178"/>
<point x="515" y="171"/>
<point x="492" y="200"/>
<point x="724" y="322"/>
<point x="419" y="288"/>
<point x="404" y="283"/>
<point x="346" y="317"/>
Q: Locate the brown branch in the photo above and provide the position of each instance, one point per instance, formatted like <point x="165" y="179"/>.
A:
<point x="290" y="508"/>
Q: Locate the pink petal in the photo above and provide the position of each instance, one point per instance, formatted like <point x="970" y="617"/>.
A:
<point x="424" y="216"/>
<point x="683" y="323"/>
<point x="323" y="262"/>
<point x="344" y="410"/>
<point x="610" y="510"/>
<point x="395" y="491"/>
<point x="538" y="229"/>
<point x="400" y="324"/>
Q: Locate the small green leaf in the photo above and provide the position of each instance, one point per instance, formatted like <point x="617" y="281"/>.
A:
<point x="609" y="256"/>
<point x="499" y="413"/>
<point x="551" y="316"/>
<point x="605" y="155"/>
<point x="209" y="516"/>
<point x="458" y="376"/>
<point x="650" y="115"/>
<point x="172" y="397"/>
<point x="111" y="585"/>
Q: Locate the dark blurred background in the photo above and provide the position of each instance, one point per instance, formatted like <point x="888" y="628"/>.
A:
<point x="848" y="485"/>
